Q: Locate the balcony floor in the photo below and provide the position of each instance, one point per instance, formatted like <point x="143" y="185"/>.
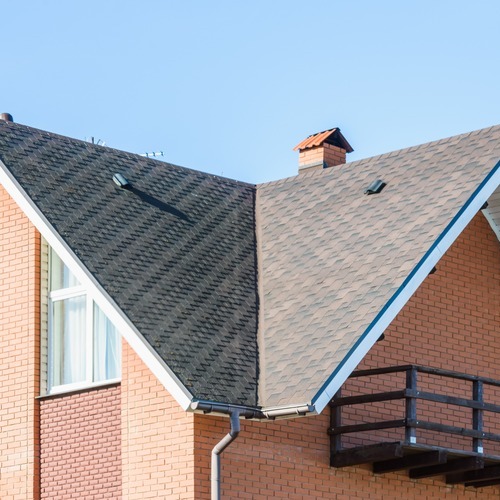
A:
<point x="457" y="466"/>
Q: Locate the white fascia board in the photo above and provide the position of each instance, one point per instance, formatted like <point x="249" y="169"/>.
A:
<point x="492" y="223"/>
<point x="401" y="297"/>
<point x="134" y="338"/>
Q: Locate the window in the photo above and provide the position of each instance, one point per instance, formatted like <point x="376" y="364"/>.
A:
<point x="84" y="346"/>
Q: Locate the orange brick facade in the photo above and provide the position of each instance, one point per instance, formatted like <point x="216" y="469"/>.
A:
<point x="326" y="153"/>
<point x="151" y="448"/>
<point x="158" y="436"/>
<point x="80" y="438"/>
<point x="19" y="352"/>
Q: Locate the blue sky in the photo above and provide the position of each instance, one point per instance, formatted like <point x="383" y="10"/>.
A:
<point x="231" y="87"/>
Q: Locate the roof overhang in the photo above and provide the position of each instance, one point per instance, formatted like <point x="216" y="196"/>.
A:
<point x="271" y="413"/>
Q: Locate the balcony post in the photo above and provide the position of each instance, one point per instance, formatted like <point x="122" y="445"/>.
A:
<point x="477" y="415"/>
<point x="336" y="421"/>
<point x="411" y="406"/>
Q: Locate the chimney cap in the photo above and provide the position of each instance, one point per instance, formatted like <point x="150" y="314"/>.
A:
<point x="332" y="136"/>
<point x="6" y="117"/>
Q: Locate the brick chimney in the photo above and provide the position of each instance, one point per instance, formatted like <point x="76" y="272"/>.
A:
<point x="322" y="150"/>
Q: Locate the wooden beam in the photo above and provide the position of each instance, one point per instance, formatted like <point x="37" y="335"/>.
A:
<point x="411" y="406"/>
<point x="452" y="400"/>
<point x="380" y="371"/>
<point x="482" y="484"/>
<point x="335" y="421"/>
<point x="458" y="375"/>
<point x="424" y="369"/>
<point x="459" y="465"/>
<point x="366" y="454"/>
<point x="488" y="473"/>
<point x="368" y="398"/>
<point x="449" y="429"/>
<point x="411" y="461"/>
<point x="477" y="415"/>
<point x="372" y="426"/>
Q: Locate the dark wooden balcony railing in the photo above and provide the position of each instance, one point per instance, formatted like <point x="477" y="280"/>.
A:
<point x="468" y="464"/>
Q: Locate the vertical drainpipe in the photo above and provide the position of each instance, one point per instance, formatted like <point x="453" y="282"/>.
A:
<point x="217" y="451"/>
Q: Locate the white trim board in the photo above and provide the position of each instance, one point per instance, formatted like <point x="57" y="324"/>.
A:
<point x="134" y="338"/>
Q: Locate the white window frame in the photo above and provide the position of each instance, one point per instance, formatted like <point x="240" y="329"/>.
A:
<point x="68" y="293"/>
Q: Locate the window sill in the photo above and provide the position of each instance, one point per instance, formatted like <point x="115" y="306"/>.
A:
<point x="75" y="389"/>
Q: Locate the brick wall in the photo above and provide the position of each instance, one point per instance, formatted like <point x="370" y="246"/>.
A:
<point x="327" y="153"/>
<point x="19" y="352"/>
<point x="80" y="438"/>
<point x="452" y="321"/>
<point x="129" y="441"/>
<point x="290" y="459"/>
<point x="456" y="311"/>
<point x="158" y="436"/>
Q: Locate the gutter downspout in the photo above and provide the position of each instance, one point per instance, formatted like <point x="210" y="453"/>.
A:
<point x="218" y="449"/>
<point x="235" y="412"/>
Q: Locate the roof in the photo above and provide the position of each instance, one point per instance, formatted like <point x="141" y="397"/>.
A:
<point x="333" y="259"/>
<point x="176" y="252"/>
<point x="263" y="296"/>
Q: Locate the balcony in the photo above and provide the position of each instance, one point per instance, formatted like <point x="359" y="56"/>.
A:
<point x="427" y="421"/>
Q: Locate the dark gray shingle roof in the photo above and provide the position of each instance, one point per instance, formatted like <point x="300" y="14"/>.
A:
<point x="176" y="252"/>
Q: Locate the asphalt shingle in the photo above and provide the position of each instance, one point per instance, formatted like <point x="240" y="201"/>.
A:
<point x="331" y="257"/>
<point x="176" y="252"/>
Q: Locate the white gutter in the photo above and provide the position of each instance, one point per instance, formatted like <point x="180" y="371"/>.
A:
<point x="289" y="411"/>
<point x="251" y="412"/>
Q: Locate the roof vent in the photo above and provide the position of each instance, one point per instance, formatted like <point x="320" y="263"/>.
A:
<point x="375" y="187"/>
<point x="121" y="181"/>
<point x="6" y="117"/>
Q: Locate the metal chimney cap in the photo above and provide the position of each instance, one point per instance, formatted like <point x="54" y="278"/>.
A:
<point x="6" y="117"/>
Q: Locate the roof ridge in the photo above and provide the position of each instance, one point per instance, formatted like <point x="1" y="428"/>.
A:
<point x="395" y="152"/>
<point x="121" y="152"/>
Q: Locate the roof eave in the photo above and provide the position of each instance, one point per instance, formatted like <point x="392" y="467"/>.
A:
<point x="270" y="413"/>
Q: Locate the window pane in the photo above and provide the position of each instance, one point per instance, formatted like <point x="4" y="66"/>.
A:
<point x="60" y="275"/>
<point x="106" y="348"/>
<point x="68" y="341"/>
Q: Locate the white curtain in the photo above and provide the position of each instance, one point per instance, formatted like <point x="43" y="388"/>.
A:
<point x="69" y="343"/>
<point x="106" y="348"/>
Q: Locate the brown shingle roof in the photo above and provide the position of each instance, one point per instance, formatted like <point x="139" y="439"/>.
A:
<point x="332" y="257"/>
